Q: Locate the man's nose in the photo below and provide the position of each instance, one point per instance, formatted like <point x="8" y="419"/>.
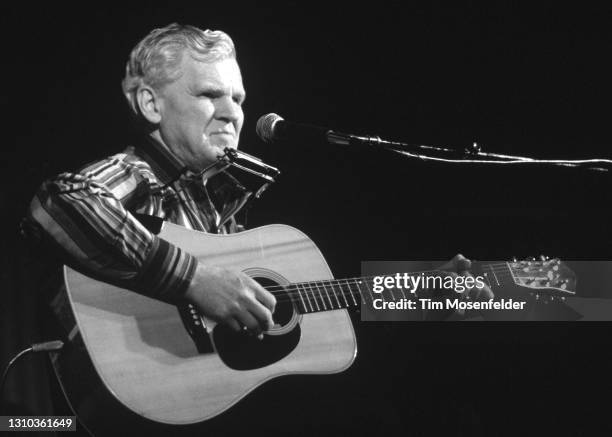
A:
<point x="228" y="110"/>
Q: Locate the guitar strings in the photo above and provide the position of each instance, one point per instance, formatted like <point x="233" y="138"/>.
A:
<point x="310" y="296"/>
<point x="291" y="292"/>
<point x="499" y="268"/>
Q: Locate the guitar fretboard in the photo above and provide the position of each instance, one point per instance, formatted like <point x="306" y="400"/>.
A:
<point x="333" y="294"/>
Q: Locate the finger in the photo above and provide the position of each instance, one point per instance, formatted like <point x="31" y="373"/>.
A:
<point x="234" y="324"/>
<point x="246" y="319"/>
<point x="464" y="291"/>
<point x="448" y="291"/>
<point x="461" y="263"/>
<point x="447" y="266"/>
<point x="482" y="293"/>
<point x="451" y="274"/>
<point x="456" y="264"/>
<point x="262" y="314"/>
<point x="261" y="294"/>
<point x="485" y="293"/>
<point x="468" y="293"/>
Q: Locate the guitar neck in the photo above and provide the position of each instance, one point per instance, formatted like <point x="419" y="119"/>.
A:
<point x="328" y="295"/>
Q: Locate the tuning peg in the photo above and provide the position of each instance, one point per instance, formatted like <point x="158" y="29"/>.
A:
<point x="544" y="258"/>
<point x="514" y="259"/>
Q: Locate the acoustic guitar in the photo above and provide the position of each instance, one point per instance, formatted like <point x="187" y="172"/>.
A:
<point x="172" y="366"/>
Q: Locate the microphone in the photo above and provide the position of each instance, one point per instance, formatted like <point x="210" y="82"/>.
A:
<point x="272" y="128"/>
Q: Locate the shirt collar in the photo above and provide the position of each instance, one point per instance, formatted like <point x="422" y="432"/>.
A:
<point x="165" y="165"/>
<point x="225" y="188"/>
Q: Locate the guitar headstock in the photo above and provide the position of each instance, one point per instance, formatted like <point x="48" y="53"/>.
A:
<point x="546" y="277"/>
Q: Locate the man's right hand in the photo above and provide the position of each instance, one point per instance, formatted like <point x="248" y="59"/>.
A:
<point x="231" y="297"/>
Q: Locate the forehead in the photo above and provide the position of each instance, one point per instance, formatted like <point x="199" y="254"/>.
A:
<point x="219" y="73"/>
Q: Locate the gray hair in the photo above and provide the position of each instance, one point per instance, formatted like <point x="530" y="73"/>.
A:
<point x="156" y="60"/>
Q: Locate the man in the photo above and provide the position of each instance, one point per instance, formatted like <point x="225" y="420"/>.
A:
<point x="185" y="89"/>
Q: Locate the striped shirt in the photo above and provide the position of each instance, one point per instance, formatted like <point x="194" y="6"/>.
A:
<point x="90" y="216"/>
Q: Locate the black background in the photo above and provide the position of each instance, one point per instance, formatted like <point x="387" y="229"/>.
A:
<point x="520" y="80"/>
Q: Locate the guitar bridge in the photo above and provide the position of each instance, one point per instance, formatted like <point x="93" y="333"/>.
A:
<point x="194" y="324"/>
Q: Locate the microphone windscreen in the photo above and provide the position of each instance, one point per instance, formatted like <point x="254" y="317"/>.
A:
<point x="265" y="126"/>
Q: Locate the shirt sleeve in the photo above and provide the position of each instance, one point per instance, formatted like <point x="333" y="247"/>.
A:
<point x="82" y="217"/>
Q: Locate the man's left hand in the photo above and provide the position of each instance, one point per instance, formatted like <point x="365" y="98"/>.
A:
<point x="460" y="266"/>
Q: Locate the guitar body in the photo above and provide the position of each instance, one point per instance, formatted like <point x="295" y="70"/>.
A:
<point x="148" y="361"/>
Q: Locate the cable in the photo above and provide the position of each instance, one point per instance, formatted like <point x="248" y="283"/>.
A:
<point x="5" y="375"/>
<point x="48" y="346"/>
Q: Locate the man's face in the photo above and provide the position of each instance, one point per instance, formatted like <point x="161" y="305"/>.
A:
<point x="201" y="112"/>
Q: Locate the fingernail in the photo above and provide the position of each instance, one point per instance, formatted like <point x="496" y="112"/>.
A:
<point x="260" y="337"/>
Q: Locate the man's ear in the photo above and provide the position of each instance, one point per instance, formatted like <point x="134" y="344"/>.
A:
<point x="148" y="101"/>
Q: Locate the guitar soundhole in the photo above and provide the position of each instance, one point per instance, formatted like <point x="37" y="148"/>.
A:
<point x="242" y="351"/>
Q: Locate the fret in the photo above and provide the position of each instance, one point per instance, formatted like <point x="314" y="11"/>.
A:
<point x="314" y="296"/>
<point x="404" y="294"/>
<point x="494" y="275"/>
<point x="391" y="293"/>
<point x="297" y="287"/>
<point x="363" y="301"/>
<point x="308" y="299"/>
<point x="335" y="295"/>
<point x="346" y="304"/>
<point x="331" y="304"/>
<point x="507" y="273"/>
<point x="369" y="292"/>
<point x="486" y="278"/>
<point x="351" y="292"/>
<point x="322" y="298"/>
<point x="338" y="284"/>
